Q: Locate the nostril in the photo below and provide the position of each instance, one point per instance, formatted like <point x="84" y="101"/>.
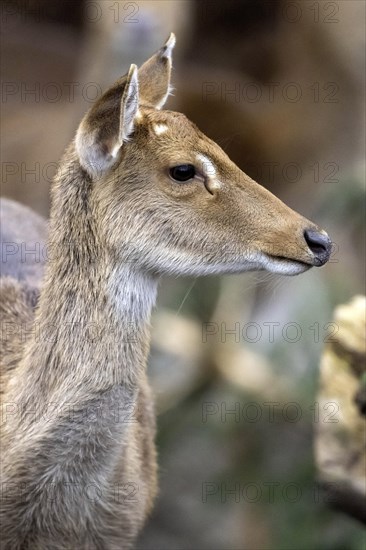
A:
<point x="319" y="243"/>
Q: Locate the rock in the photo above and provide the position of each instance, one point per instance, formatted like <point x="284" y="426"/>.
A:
<point x="340" y="447"/>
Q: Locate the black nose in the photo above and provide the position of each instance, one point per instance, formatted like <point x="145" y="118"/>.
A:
<point x="319" y="244"/>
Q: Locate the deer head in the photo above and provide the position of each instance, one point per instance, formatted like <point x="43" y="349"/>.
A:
<point x="165" y="193"/>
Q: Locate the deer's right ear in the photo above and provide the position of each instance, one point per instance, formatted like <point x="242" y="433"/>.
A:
<point x="154" y="76"/>
<point x="107" y="125"/>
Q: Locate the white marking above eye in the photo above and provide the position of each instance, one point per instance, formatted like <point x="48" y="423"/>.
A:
<point x="160" y="129"/>
<point x="209" y="170"/>
<point x="208" y="167"/>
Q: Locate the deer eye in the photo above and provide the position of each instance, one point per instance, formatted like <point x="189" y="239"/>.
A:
<point x="183" y="172"/>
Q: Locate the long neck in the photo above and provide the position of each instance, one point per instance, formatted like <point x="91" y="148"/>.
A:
<point x="92" y="325"/>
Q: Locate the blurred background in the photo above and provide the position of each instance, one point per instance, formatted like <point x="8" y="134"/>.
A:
<point x="235" y="360"/>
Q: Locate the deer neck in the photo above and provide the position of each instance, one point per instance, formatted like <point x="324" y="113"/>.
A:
<point x="93" y="319"/>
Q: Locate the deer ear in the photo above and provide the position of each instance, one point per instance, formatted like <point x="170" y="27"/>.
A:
<point x="108" y="124"/>
<point x="129" y="105"/>
<point x="154" y="76"/>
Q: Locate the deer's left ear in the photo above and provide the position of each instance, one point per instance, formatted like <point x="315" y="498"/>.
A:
<point x="154" y="76"/>
<point x="107" y="125"/>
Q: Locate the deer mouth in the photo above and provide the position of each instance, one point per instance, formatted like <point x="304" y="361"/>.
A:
<point x="291" y="260"/>
<point x="286" y="266"/>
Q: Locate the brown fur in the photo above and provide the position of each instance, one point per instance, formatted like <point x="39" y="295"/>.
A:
<point x="78" y="455"/>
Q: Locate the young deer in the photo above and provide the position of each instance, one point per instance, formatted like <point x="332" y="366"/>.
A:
<point x="140" y="193"/>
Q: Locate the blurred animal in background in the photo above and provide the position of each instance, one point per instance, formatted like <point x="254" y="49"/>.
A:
<point x="140" y="193"/>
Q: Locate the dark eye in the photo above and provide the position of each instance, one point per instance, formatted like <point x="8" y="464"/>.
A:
<point x="183" y="172"/>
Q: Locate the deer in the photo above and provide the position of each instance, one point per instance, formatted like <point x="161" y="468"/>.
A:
<point x="140" y="193"/>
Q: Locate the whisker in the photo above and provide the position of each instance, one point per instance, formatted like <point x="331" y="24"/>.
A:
<point x="186" y="296"/>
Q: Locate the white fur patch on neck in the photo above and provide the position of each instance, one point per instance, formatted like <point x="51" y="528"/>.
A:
<point x="160" y="129"/>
